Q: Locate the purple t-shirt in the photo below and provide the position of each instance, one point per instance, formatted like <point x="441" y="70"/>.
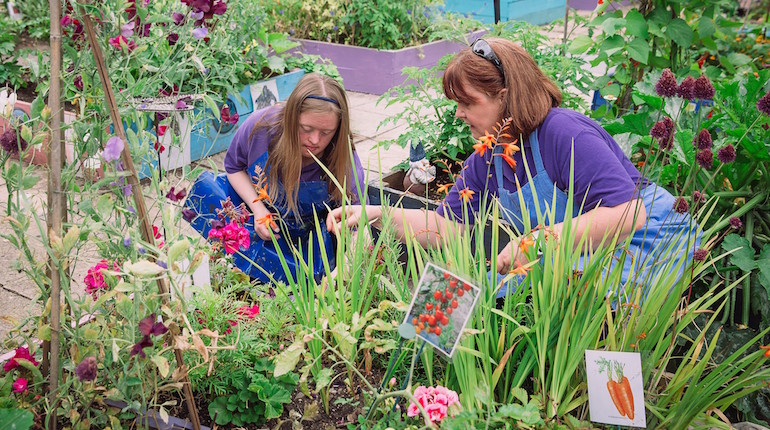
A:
<point x="604" y="176"/>
<point x="243" y="152"/>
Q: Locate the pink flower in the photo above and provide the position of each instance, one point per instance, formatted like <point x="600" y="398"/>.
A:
<point x="249" y="311"/>
<point x="20" y="353"/>
<point x="436" y="411"/>
<point x="20" y="385"/>
<point x="232" y="236"/>
<point x="117" y="42"/>
<point x="94" y="280"/>
<point x="435" y="400"/>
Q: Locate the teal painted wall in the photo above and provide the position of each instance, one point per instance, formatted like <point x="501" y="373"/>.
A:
<point x="532" y="11"/>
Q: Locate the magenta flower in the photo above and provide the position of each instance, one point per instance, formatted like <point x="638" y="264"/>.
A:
<point x="118" y="42"/>
<point x="20" y="385"/>
<point x="112" y="149"/>
<point x="686" y="88"/>
<point x="726" y="154"/>
<point x="700" y="254"/>
<point x="248" y="312"/>
<point x="232" y="236"/>
<point x="681" y="206"/>
<point x="172" y="38"/>
<point x="94" y="280"/>
<point x="20" y="353"/>
<point x="224" y="113"/>
<point x="178" y="18"/>
<point x="666" y="85"/>
<point x="127" y="29"/>
<point x="436" y="401"/>
<point x="78" y="82"/>
<point x="176" y="196"/>
<point x="702" y="140"/>
<point x="703" y="89"/>
<point x="705" y="158"/>
<point x="86" y="370"/>
<point x="736" y="223"/>
<point x="763" y="104"/>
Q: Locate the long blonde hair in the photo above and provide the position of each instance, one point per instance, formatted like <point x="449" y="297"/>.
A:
<point x="285" y="149"/>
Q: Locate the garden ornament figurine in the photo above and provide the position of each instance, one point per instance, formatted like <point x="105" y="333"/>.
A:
<point x="420" y="172"/>
<point x="512" y="109"/>
<point x="275" y="167"/>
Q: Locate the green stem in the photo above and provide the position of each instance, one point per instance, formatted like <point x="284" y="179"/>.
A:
<point x="738" y="213"/>
<point x="747" y="281"/>
<point x="726" y="314"/>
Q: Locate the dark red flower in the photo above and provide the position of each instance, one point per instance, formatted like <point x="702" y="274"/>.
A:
<point x="702" y="140"/>
<point x="705" y="158"/>
<point x="681" y="206"/>
<point x="12" y="142"/>
<point x="178" y="18"/>
<point x="78" y="82"/>
<point x="703" y="89"/>
<point x="700" y="254"/>
<point x="736" y="223"/>
<point x="698" y="197"/>
<point x="227" y="117"/>
<point x="686" y="88"/>
<point x="176" y="196"/>
<point x="138" y="347"/>
<point x="663" y="131"/>
<point x="172" y="39"/>
<point x="763" y="104"/>
<point x="189" y="214"/>
<point x="666" y="85"/>
<point x="726" y="154"/>
<point x="86" y="370"/>
<point x="150" y="326"/>
<point x="20" y="353"/>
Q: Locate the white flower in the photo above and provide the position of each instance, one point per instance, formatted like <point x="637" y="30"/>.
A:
<point x="7" y="102"/>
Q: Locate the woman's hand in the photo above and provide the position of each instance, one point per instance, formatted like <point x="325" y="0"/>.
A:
<point x="511" y="257"/>
<point x="352" y="215"/>
<point x="264" y="222"/>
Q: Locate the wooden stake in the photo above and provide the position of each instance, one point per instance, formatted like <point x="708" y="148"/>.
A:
<point x="57" y="205"/>
<point x="133" y="179"/>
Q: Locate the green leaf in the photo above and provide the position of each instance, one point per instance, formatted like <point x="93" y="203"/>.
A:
<point x="274" y="397"/>
<point x="639" y="50"/>
<point x="323" y="379"/>
<point x="636" y="25"/>
<point x="104" y="206"/>
<point x="218" y="411"/>
<point x="287" y="360"/>
<point x="612" y="25"/>
<point x="212" y="106"/>
<point x="613" y="44"/>
<point x="580" y="44"/>
<point x="743" y="256"/>
<point x="763" y="263"/>
<point x="528" y="414"/>
<point x="176" y="250"/>
<point x="16" y="419"/>
<point x="679" y="32"/>
<point x="143" y="268"/>
<point x="29" y="181"/>
<point x="706" y="27"/>
<point x="737" y="59"/>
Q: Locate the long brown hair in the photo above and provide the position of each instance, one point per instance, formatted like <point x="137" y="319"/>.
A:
<point x="531" y="94"/>
<point x="285" y="149"/>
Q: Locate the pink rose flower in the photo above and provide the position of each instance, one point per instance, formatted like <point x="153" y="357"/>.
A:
<point x="20" y="385"/>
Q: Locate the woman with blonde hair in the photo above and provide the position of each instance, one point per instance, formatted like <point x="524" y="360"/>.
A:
<point x="277" y="165"/>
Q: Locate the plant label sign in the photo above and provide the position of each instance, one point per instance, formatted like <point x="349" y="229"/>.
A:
<point x="615" y="390"/>
<point x="441" y="305"/>
<point x="264" y="94"/>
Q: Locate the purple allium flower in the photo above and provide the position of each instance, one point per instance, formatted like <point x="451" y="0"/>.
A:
<point x="686" y="88"/>
<point x="78" y="82"/>
<point x="112" y="149"/>
<point x="189" y="214"/>
<point x="178" y="18"/>
<point x="705" y="158"/>
<point x="703" y="89"/>
<point x="736" y="223"/>
<point x="200" y="32"/>
<point x="127" y="29"/>
<point x="763" y="104"/>
<point x="681" y="206"/>
<point x="172" y="38"/>
<point x="698" y="197"/>
<point x="726" y="154"/>
<point x="702" y="140"/>
<point x="700" y="254"/>
<point x="86" y="370"/>
<point x="12" y="142"/>
<point x="663" y="131"/>
<point x="127" y="242"/>
<point x="666" y="85"/>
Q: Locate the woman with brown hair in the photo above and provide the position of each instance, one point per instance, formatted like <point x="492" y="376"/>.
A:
<point x="277" y="165"/>
<point x="496" y="82"/>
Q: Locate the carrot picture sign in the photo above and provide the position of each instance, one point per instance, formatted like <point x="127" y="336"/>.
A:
<point x="615" y="391"/>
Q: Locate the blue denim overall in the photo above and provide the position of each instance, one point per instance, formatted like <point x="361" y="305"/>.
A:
<point x="664" y="227"/>
<point x="209" y="191"/>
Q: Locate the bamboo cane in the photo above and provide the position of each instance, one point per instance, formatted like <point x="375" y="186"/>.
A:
<point x="133" y="179"/>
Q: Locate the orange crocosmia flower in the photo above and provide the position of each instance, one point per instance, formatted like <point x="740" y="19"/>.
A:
<point x="262" y="195"/>
<point x="508" y="159"/>
<point x="767" y="350"/>
<point x="267" y="221"/>
<point x="510" y="148"/>
<point x="444" y="188"/>
<point x="467" y="194"/>
<point x="488" y="139"/>
<point x="519" y="269"/>
<point x="525" y="243"/>
<point x="481" y="147"/>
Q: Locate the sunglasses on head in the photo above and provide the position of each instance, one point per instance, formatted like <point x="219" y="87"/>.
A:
<point x="482" y="48"/>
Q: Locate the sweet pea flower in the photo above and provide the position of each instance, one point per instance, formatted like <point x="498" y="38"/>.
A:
<point x="197" y="16"/>
<point x="94" y="280"/>
<point x="20" y="385"/>
<point x="178" y="18"/>
<point x="200" y="32"/>
<point x="127" y="29"/>
<point x="112" y="149"/>
<point x="20" y="353"/>
<point x="78" y="82"/>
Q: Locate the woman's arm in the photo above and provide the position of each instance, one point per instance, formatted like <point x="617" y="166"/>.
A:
<point x="427" y="227"/>
<point x="622" y="220"/>
<point x="242" y="185"/>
